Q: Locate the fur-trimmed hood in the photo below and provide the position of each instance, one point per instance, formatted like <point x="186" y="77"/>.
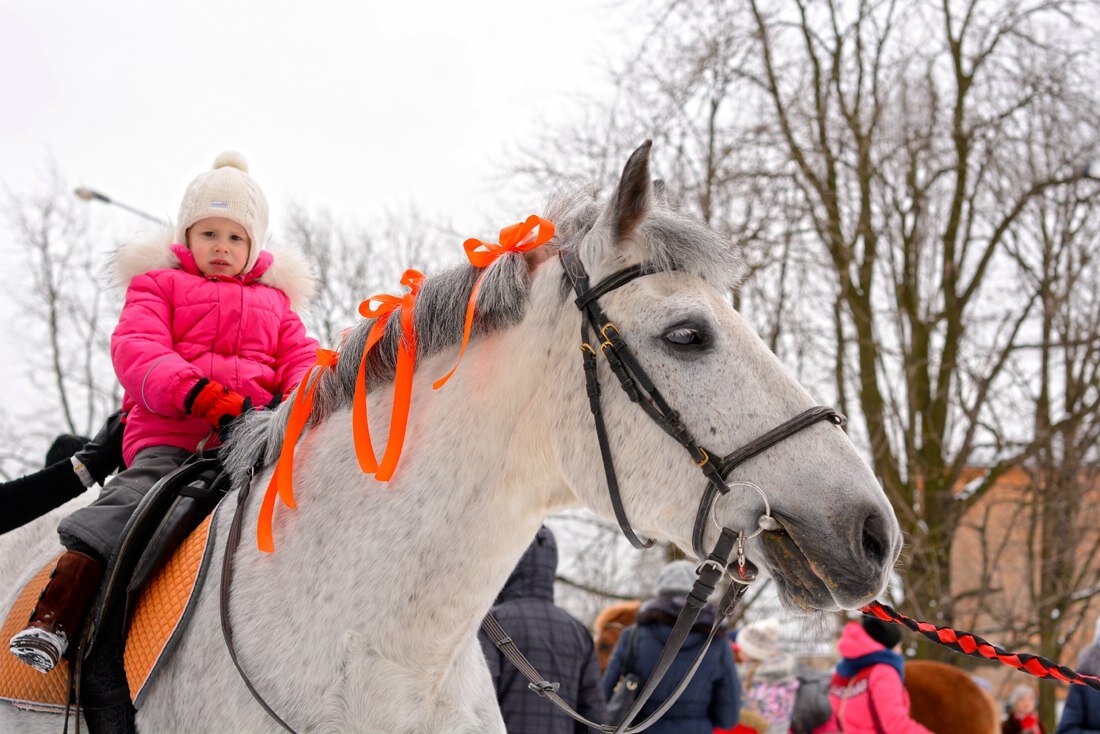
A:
<point x="284" y="269"/>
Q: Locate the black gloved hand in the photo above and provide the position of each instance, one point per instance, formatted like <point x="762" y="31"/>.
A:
<point x="103" y="454"/>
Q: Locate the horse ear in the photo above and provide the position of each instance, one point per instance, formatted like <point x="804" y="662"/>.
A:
<point x="634" y="196"/>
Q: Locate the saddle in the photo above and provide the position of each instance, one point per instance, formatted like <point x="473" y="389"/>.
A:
<point x="150" y="587"/>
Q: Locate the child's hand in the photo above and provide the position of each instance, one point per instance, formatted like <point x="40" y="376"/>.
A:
<point x="215" y="403"/>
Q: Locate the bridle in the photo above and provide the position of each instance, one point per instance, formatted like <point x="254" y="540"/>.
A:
<point x="641" y="390"/>
<point x="727" y="558"/>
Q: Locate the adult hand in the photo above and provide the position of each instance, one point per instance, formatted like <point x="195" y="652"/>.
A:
<point x="103" y="454"/>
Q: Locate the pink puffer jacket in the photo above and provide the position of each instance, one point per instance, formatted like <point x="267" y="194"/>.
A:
<point x="879" y="686"/>
<point x="179" y="326"/>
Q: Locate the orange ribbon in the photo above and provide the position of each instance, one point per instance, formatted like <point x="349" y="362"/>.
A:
<point x="402" y="381"/>
<point x="282" y="480"/>
<point x="481" y="255"/>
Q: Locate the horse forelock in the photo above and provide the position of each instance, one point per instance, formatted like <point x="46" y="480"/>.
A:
<point x="669" y="241"/>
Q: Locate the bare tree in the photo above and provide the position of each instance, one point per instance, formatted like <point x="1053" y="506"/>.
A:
<point x="355" y="262"/>
<point x="886" y="157"/>
<point x="69" y="311"/>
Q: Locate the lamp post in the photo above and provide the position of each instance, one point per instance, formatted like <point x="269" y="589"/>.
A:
<point x="86" y="194"/>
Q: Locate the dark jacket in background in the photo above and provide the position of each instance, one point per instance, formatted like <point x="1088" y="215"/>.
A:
<point x="712" y="699"/>
<point x="1082" y="712"/>
<point x="558" y="646"/>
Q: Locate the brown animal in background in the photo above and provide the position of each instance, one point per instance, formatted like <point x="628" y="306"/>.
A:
<point x="946" y="700"/>
<point x="609" y="625"/>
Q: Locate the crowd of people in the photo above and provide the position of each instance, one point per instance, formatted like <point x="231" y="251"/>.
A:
<point x="746" y="683"/>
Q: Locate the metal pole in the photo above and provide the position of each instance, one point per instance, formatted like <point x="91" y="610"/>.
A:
<point x="87" y="194"/>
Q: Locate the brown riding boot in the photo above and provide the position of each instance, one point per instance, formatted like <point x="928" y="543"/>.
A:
<point x="56" y="618"/>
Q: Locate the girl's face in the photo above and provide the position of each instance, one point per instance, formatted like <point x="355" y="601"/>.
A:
<point x="220" y="246"/>
<point x="1024" y="705"/>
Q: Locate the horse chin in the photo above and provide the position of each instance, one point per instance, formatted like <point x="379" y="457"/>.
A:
<point x="800" y="585"/>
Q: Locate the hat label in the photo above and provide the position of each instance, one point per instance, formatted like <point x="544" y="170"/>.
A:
<point x="218" y="204"/>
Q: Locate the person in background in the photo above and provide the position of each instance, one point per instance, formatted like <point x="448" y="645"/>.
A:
<point x="556" y="644"/>
<point x="866" y="693"/>
<point x="768" y="675"/>
<point x="1081" y="714"/>
<point x="1022" y="717"/>
<point x="712" y="699"/>
<point x="73" y="464"/>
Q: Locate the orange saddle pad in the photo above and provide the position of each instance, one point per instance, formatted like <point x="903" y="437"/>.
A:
<point x="158" y="621"/>
<point x="21" y="684"/>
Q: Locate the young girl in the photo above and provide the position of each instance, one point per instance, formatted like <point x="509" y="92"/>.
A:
<point x="207" y="332"/>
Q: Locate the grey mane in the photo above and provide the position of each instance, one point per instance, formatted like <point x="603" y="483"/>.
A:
<point x="670" y="241"/>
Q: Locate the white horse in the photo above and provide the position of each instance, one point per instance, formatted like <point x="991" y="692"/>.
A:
<point x="365" y="616"/>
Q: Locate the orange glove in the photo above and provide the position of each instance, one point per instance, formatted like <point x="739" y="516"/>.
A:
<point x="215" y="403"/>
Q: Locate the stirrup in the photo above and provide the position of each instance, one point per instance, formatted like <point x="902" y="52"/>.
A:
<point x="39" y="648"/>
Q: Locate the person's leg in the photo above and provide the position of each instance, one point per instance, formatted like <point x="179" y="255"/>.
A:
<point x="100" y="524"/>
<point x="90" y="535"/>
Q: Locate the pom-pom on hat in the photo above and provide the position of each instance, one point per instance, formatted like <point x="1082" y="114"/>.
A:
<point x="675" y="579"/>
<point x="760" y="640"/>
<point x="226" y="191"/>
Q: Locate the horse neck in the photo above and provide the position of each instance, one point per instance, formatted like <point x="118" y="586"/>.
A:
<point x="428" y="551"/>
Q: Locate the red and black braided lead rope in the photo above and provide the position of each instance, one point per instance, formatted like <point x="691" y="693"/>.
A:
<point x="973" y="646"/>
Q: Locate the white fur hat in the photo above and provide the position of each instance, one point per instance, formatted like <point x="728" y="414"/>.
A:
<point x="226" y="191"/>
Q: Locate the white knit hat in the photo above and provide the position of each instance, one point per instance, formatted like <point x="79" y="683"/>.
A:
<point x="675" y="579"/>
<point x="760" y="640"/>
<point x="226" y="191"/>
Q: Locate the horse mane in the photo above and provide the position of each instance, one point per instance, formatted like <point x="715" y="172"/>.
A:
<point x="670" y="241"/>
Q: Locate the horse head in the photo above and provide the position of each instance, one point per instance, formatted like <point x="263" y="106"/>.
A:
<point x="832" y="538"/>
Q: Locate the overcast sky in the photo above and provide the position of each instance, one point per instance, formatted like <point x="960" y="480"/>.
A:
<point x="361" y="108"/>
<point x="355" y="106"/>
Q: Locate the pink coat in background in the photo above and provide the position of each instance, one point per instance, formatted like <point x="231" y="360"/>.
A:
<point x="879" y="685"/>
<point x="179" y="326"/>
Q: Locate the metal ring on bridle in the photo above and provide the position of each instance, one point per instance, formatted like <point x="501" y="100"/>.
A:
<point x="764" y="522"/>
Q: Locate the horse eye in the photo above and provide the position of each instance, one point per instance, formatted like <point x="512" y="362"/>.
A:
<point x="684" y="336"/>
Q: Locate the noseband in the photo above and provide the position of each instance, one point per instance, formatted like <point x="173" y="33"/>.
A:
<point x="641" y="390"/>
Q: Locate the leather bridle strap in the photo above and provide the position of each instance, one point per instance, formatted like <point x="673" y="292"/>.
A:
<point x="757" y="446"/>
<point x="707" y="577"/>
<point x="640" y="389"/>
<point x="632" y="378"/>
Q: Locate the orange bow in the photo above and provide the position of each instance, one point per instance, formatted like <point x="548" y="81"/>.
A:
<point x="282" y="480"/>
<point x="481" y="255"/>
<point x="402" y="381"/>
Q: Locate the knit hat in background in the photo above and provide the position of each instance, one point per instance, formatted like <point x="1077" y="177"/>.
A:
<point x="760" y="640"/>
<point x="226" y="191"/>
<point x="675" y="579"/>
<point x="886" y="634"/>
<point x="1021" y="691"/>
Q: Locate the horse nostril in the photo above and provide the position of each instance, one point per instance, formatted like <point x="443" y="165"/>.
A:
<point x="875" y="540"/>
